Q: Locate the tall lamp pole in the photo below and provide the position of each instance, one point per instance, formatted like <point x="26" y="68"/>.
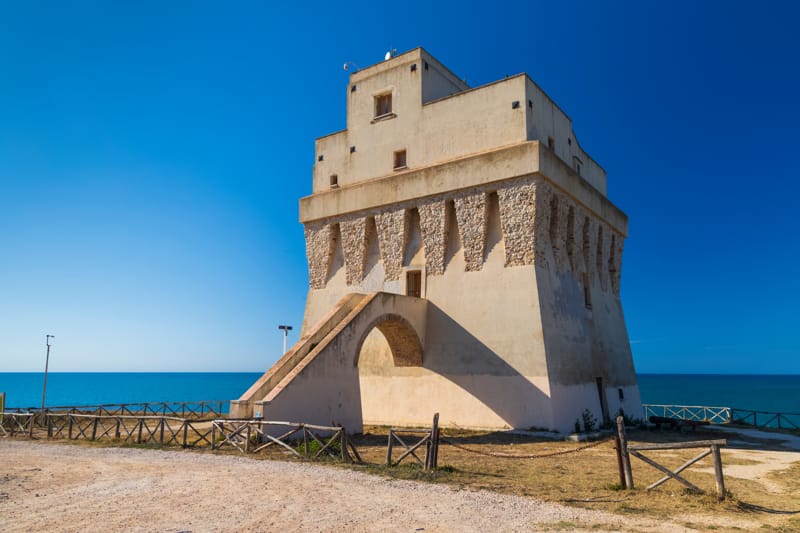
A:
<point x="46" y="364"/>
<point x="286" y="330"/>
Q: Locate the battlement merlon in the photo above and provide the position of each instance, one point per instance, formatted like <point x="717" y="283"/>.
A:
<point x="413" y="103"/>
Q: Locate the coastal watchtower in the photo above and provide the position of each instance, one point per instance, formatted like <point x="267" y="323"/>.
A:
<point x="463" y="259"/>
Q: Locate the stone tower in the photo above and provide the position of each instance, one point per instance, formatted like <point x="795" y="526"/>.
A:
<point x="463" y="259"/>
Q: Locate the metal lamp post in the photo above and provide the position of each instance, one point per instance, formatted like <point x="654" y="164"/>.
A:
<point x="46" y="365"/>
<point x="286" y="330"/>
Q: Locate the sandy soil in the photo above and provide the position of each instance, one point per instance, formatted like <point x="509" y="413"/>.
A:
<point x="51" y="487"/>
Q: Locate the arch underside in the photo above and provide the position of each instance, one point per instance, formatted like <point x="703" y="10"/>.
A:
<point x="403" y="342"/>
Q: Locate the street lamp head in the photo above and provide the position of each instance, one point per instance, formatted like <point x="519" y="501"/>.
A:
<point x="285" y="328"/>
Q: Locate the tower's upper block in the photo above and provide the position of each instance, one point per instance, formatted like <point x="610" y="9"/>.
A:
<point x="410" y="113"/>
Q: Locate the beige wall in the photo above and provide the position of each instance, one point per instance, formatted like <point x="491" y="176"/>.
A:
<point x="507" y="237"/>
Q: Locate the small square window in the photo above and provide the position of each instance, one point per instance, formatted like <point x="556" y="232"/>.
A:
<point x="334" y="181"/>
<point x="320" y="158"/>
<point x="515" y="104"/>
<point x="399" y="159"/>
<point x="383" y="104"/>
<point x="576" y="163"/>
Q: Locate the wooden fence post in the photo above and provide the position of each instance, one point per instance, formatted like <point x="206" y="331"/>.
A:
<point x="389" y="449"/>
<point x="49" y="426"/>
<point x="94" y="427"/>
<point x="185" y="432"/>
<point x="618" y="447"/>
<point x="69" y="434"/>
<point x="213" y="435"/>
<point x="116" y="430"/>
<point x="626" y="458"/>
<point x="718" y="471"/>
<point x="139" y="437"/>
<point x="433" y="444"/>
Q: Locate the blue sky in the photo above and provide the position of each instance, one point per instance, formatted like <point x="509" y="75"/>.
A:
<point x="152" y="155"/>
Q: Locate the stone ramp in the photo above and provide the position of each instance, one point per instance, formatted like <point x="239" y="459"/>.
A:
<point x="317" y="380"/>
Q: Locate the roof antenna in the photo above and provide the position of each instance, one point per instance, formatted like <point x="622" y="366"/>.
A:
<point x="390" y="54"/>
<point x="350" y="65"/>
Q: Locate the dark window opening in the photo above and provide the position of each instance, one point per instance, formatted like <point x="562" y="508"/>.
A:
<point x="601" y="391"/>
<point x="320" y="158"/>
<point x="414" y="67"/>
<point x="530" y="104"/>
<point x="621" y="394"/>
<point x="334" y="180"/>
<point x="551" y="143"/>
<point x="587" y="295"/>
<point x="383" y="104"/>
<point x="515" y="104"/>
<point x="400" y="159"/>
<point x="352" y="88"/>
<point x="426" y="65"/>
<point x="414" y="283"/>
<point x="352" y="149"/>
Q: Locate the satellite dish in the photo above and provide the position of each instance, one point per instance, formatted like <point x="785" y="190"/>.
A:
<point x="346" y="67"/>
<point x="388" y="56"/>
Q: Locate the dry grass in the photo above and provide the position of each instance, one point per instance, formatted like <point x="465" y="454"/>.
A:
<point x="590" y="478"/>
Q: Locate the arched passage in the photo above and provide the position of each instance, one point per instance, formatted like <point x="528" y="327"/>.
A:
<point x="389" y="354"/>
<point x="399" y="339"/>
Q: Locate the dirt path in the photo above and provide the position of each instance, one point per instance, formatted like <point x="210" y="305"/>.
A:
<point x="51" y="487"/>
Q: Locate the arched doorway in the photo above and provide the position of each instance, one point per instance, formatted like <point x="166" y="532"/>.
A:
<point x="389" y="354"/>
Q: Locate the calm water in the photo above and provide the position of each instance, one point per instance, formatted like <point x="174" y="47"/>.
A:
<point x="80" y="388"/>
<point x="756" y="392"/>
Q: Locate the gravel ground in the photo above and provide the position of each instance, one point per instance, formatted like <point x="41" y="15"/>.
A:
<point x="51" y="487"/>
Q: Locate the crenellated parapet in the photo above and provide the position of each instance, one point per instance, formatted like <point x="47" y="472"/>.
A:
<point x="540" y="225"/>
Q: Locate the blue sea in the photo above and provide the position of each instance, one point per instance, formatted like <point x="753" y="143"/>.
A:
<point x="754" y="392"/>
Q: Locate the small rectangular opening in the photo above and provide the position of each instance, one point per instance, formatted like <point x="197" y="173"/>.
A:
<point x="551" y="143"/>
<point x="334" y="181"/>
<point x="383" y="104"/>
<point x="621" y="394"/>
<point x="399" y="159"/>
<point x="414" y="283"/>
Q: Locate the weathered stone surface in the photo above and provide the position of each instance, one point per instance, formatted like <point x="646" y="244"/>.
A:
<point x="392" y="237"/>
<point x="590" y="248"/>
<point x="603" y="253"/>
<point x="578" y="256"/>
<point x="472" y="217"/>
<point x="616" y="263"/>
<point x="517" y="212"/>
<point x="354" y="243"/>
<point x="319" y="251"/>
<point x="559" y="210"/>
<point x="433" y="225"/>
<point x="541" y="223"/>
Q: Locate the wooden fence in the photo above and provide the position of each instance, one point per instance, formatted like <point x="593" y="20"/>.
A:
<point x="299" y="439"/>
<point x="245" y="435"/>
<point x="766" y="419"/>
<point x="12" y="424"/>
<point x="161" y="430"/>
<point x="624" y="451"/>
<point x="430" y="439"/>
<point x="199" y="409"/>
